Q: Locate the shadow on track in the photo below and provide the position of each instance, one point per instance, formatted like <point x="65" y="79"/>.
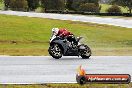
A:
<point x="65" y="58"/>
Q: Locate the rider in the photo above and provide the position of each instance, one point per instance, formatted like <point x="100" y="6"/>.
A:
<point x="64" y="33"/>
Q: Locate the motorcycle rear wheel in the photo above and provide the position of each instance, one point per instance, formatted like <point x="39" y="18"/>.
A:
<point x="55" y="51"/>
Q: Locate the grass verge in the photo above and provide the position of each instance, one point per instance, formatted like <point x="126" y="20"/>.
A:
<point x="1" y="5"/>
<point x="104" y="7"/>
<point x="30" y="36"/>
<point x="69" y="86"/>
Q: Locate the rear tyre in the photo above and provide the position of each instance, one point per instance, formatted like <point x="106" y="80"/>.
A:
<point x="55" y="51"/>
<point x="86" y="53"/>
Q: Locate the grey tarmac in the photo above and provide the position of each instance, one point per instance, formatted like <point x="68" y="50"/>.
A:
<point x="82" y="18"/>
<point x="45" y="69"/>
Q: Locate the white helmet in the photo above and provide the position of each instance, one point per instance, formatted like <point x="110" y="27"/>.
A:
<point x="55" y="31"/>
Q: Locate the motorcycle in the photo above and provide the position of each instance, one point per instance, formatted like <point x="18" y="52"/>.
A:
<point x="62" y="47"/>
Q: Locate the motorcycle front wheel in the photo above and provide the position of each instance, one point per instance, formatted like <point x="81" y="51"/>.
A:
<point x="55" y="51"/>
<point x="86" y="53"/>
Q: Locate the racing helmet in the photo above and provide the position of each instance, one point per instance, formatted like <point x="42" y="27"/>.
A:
<point x="55" y="31"/>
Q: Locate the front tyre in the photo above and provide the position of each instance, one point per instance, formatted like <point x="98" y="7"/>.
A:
<point x="55" y="51"/>
<point x="86" y="52"/>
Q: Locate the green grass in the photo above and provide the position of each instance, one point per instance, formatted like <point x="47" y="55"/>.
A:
<point x="69" y="86"/>
<point x="1" y="5"/>
<point x="30" y="36"/>
<point x="106" y="6"/>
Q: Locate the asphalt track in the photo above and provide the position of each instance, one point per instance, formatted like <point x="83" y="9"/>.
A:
<point x="109" y="21"/>
<point x="45" y="69"/>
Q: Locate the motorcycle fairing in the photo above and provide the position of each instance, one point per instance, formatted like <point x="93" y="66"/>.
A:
<point x="62" y="44"/>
